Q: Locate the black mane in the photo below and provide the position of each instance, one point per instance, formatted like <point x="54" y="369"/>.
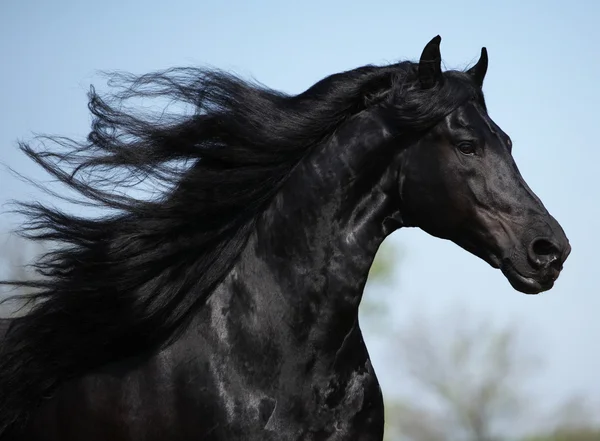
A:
<point x="127" y="282"/>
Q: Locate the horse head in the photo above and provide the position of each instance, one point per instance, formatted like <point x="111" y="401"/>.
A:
<point x="458" y="181"/>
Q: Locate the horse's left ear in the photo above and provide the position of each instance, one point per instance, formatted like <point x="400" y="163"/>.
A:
<point x="478" y="71"/>
<point x="430" y="64"/>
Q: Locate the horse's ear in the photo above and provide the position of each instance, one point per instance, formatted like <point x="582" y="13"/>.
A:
<point x="478" y="71"/>
<point x="430" y="64"/>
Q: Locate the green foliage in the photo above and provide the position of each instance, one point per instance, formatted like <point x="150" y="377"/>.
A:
<point x="570" y="434"/>
<point x="375" y="305"/>
<point x="385" y="261"/>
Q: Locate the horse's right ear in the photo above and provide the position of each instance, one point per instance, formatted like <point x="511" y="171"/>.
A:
<point x="478" y="71"/>
<point x="430" y="64"/>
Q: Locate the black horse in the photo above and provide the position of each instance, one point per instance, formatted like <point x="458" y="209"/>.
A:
<point x="226" y="307"/>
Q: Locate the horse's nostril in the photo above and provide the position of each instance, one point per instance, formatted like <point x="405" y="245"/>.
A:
<point x="543" y="247"/>
<point x="543" y="252"/>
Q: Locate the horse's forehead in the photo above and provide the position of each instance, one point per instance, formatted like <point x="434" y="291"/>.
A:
<point x="474" y="117"/>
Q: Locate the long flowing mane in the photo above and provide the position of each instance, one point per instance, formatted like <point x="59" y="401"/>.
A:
<point x="127" y="282"/>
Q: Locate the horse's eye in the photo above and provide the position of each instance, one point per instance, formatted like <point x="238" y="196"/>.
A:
<point x="466" y="147"/>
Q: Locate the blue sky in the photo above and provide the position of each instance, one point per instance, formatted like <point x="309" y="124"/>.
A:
<point x="542" y="89"/>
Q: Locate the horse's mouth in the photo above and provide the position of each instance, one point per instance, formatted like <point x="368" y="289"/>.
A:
<point x="527" y="284"/>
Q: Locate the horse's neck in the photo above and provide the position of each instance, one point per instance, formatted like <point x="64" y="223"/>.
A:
<point x="316" y="242"/>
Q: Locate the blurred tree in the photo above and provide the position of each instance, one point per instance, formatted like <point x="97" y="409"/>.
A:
<point x="576" y="414"/>
<point x="467" y="377"/>
<point x="569" y="434"/>
<point x="574" y="420"/>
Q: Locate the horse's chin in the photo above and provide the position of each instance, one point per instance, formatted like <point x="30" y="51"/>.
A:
<point x="525" y="284"/>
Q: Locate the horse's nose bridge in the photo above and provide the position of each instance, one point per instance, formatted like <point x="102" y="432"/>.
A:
<point x="525" y="194"/>
<point x="555" y="231"/>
